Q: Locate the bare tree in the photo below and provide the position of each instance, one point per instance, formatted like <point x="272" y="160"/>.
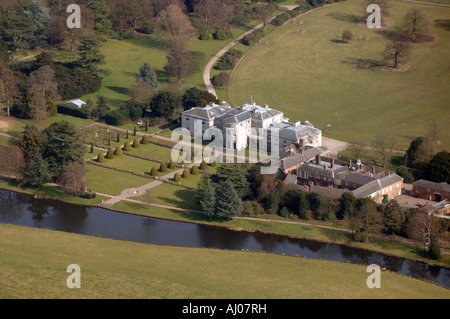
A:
<point x="12" y="160"/>
<point x="265" y="12"/>
<point x="423" y="227"/>
<point x="173" y="21"/>
<point x="384" y="146"/>
<point x="211" y="13"/>
<point x="178" y="62"/>
<point x="72" y="178"/>
<point x="140" y="92"/>
<point x="43" y="86"/>
<point x="416" y="23"/>
<point x="398" y="48"/>
<point x="8" y="88"/>
<point x="356" y="148"/>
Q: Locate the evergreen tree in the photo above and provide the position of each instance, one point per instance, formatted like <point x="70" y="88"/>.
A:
<point x="118" y="151"/>
<point x="207" y="199"/>
<point x="237" y="174"/>
<point x="101" y="158"/>
<point x="203" y="166"/>
<point x="434" y="250"/>
<point x="118" y="138"/>
<point x="303" y="206"/>
<point x="90" y="57"/>
<point x="438" y="169"/>
<point x="154" y="171"/>
<point x="186" y="173"/>
<point x="229" y="203"/>
<point x="145" y="140"/>
<point x="136" y="143"/>
<point x="135" y="131"/>
<point x="110" y="154"/>
<point x="127" y="146"/>
<point x="101" y="11"/>
<point x="92" y="148"/>
<point x="393" y="217"/>
<point x="194" y="170"/>
<point x="177" y="177"/>
<point x="41" y="19"/>
<point x="172" y="164"/>
<point x="38" y="172"/>
<point x="147" y="74"/>
<point x="163" y="167"/>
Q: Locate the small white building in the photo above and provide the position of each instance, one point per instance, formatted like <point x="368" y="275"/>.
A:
<point x="78" y="104"/>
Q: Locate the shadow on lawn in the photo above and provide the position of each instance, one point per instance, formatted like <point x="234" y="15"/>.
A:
<point x="118" y="89"/>
<point x="442" y="23"/>
<point x="346" y="17"/>
<point x="364" y="64"/>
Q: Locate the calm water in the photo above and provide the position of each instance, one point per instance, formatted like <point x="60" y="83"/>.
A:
<point x="25" y="210"/>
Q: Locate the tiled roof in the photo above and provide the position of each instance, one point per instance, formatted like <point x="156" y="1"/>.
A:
<point x="440" y="186"/>
<point x="376" y="185"/>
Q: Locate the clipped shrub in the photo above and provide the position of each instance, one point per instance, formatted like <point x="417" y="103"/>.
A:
<point x="172" y="164"/>
<point x="118" y="151"/>
<point x="194" y="170"/>
<point x="154" y="171"/>
<point x="127" y="146"/>
<point x="203" y="166"/>
<point x="145" y="140"/>
<point x="177" y="177"/>
<point x="110" y="154"/>
<point x="163" y="167"/>
<point x="186" y="173"/>
<point x="136" y="143"/>
<point x="101" y="158"/>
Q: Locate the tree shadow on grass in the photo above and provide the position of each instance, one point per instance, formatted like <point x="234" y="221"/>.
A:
<point x="442" y="23"/>
<point x="118" y="89"/>
<point x="364" y="64"/>
<point x="387" y="34"/>
<point x="346" y="17"/>
<point x="337" y="236"/>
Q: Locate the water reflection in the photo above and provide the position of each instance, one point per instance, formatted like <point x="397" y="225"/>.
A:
<point x="25" y="210"/>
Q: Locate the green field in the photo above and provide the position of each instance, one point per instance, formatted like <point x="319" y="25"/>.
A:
<point x="34" y="263"/>
<point x="303" y="70"/>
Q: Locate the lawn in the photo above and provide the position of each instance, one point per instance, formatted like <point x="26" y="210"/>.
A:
<point x="132" y="164"/>
<point x="303" y="70"/>
<point x="4" y="141"/>
<point x="111" y="182"/>
<point x="153" y="151"/>
<point x="373" y="159"/>
<point x="34" y="263"/>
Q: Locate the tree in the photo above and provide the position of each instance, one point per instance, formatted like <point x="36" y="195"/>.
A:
<point x="41" y="19"/>
<point x="265" y="12"/>
<point x="141" y="92"/>
<point x="178" y="60"/>
<point x="43" y="88"/>
<point x="102" y="107"/>
<point x="17" y="31"/>
<point x="154" y="171"/>
<point x="221" y="80"/>
<point x="163" y="167"/>
<point x="423" y="227"/>
<point x="177" y="178"/>
<point x="147" y="75"/>
<point x="370" y="223"/>
<point x="416" y="23"/>
<point x="37" y="173"/>
<point x="12" y="160"/>
<point x="393" y="217"/>
<point x="347" y="36"/>
<point x="173" y="21"/>
<point x="404" y="172"/>
<point x="398" y="48"/>
<point x="194" y="170"/>
<point x="434" y="251"/>
<point x="211" y="14"/>
<point x="118" y="151"/>
<point x="438" y="169"/>
<point x="127" y="146"/>
<point x="186" y="173"/>
<point x="90" y="57"/>
<point x="136" y="143"/>
<point x="72" y="178"/>
<point x="195" y="97"/>
<point x="419" y="153"/>
<point x="237" y="174"/>
<point x="348" y="203"/>
<point x="101" y="11"/>
<point x="172" y="164"/>
<point x="164" y="104"/>
<point x="110" y="154"/>
<point x="384" y="146"/>
<point x="9" y="91"/>
<point x="101" y="158"/>
<point x="32" y="141"/>
<point x="229" y="203"/>
<point x="203" y="166"/>
<point x="207" y="198"/>
<point x="145" y="140"/>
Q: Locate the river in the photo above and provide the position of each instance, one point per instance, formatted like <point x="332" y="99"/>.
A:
<point x="20" y="209"/>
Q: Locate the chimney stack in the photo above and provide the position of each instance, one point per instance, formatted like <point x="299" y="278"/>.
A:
<point x="318" y="159"/>
<point x="350" y="164"/>
<point x="332" y="162"/>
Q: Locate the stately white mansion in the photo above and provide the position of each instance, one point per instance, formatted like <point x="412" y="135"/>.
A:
<point x="244" y="120"/>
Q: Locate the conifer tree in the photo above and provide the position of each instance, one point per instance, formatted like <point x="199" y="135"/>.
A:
<point x="118" y="151"/>
<point x="229" y="204"/>
<point x="110" y="154"/>
<point x="101" y="158"/>
<point x="154" y="171"/>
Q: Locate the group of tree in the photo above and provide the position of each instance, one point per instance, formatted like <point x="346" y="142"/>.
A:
<point x="266" y="194"/>
<point x="414" y="28"/>
<point x="54" y="154"/>
<point x="421" y="161"/>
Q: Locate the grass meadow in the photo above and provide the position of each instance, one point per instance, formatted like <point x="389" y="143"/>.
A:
<point x="31" y="268"/>
<point x="304" y="70"/>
